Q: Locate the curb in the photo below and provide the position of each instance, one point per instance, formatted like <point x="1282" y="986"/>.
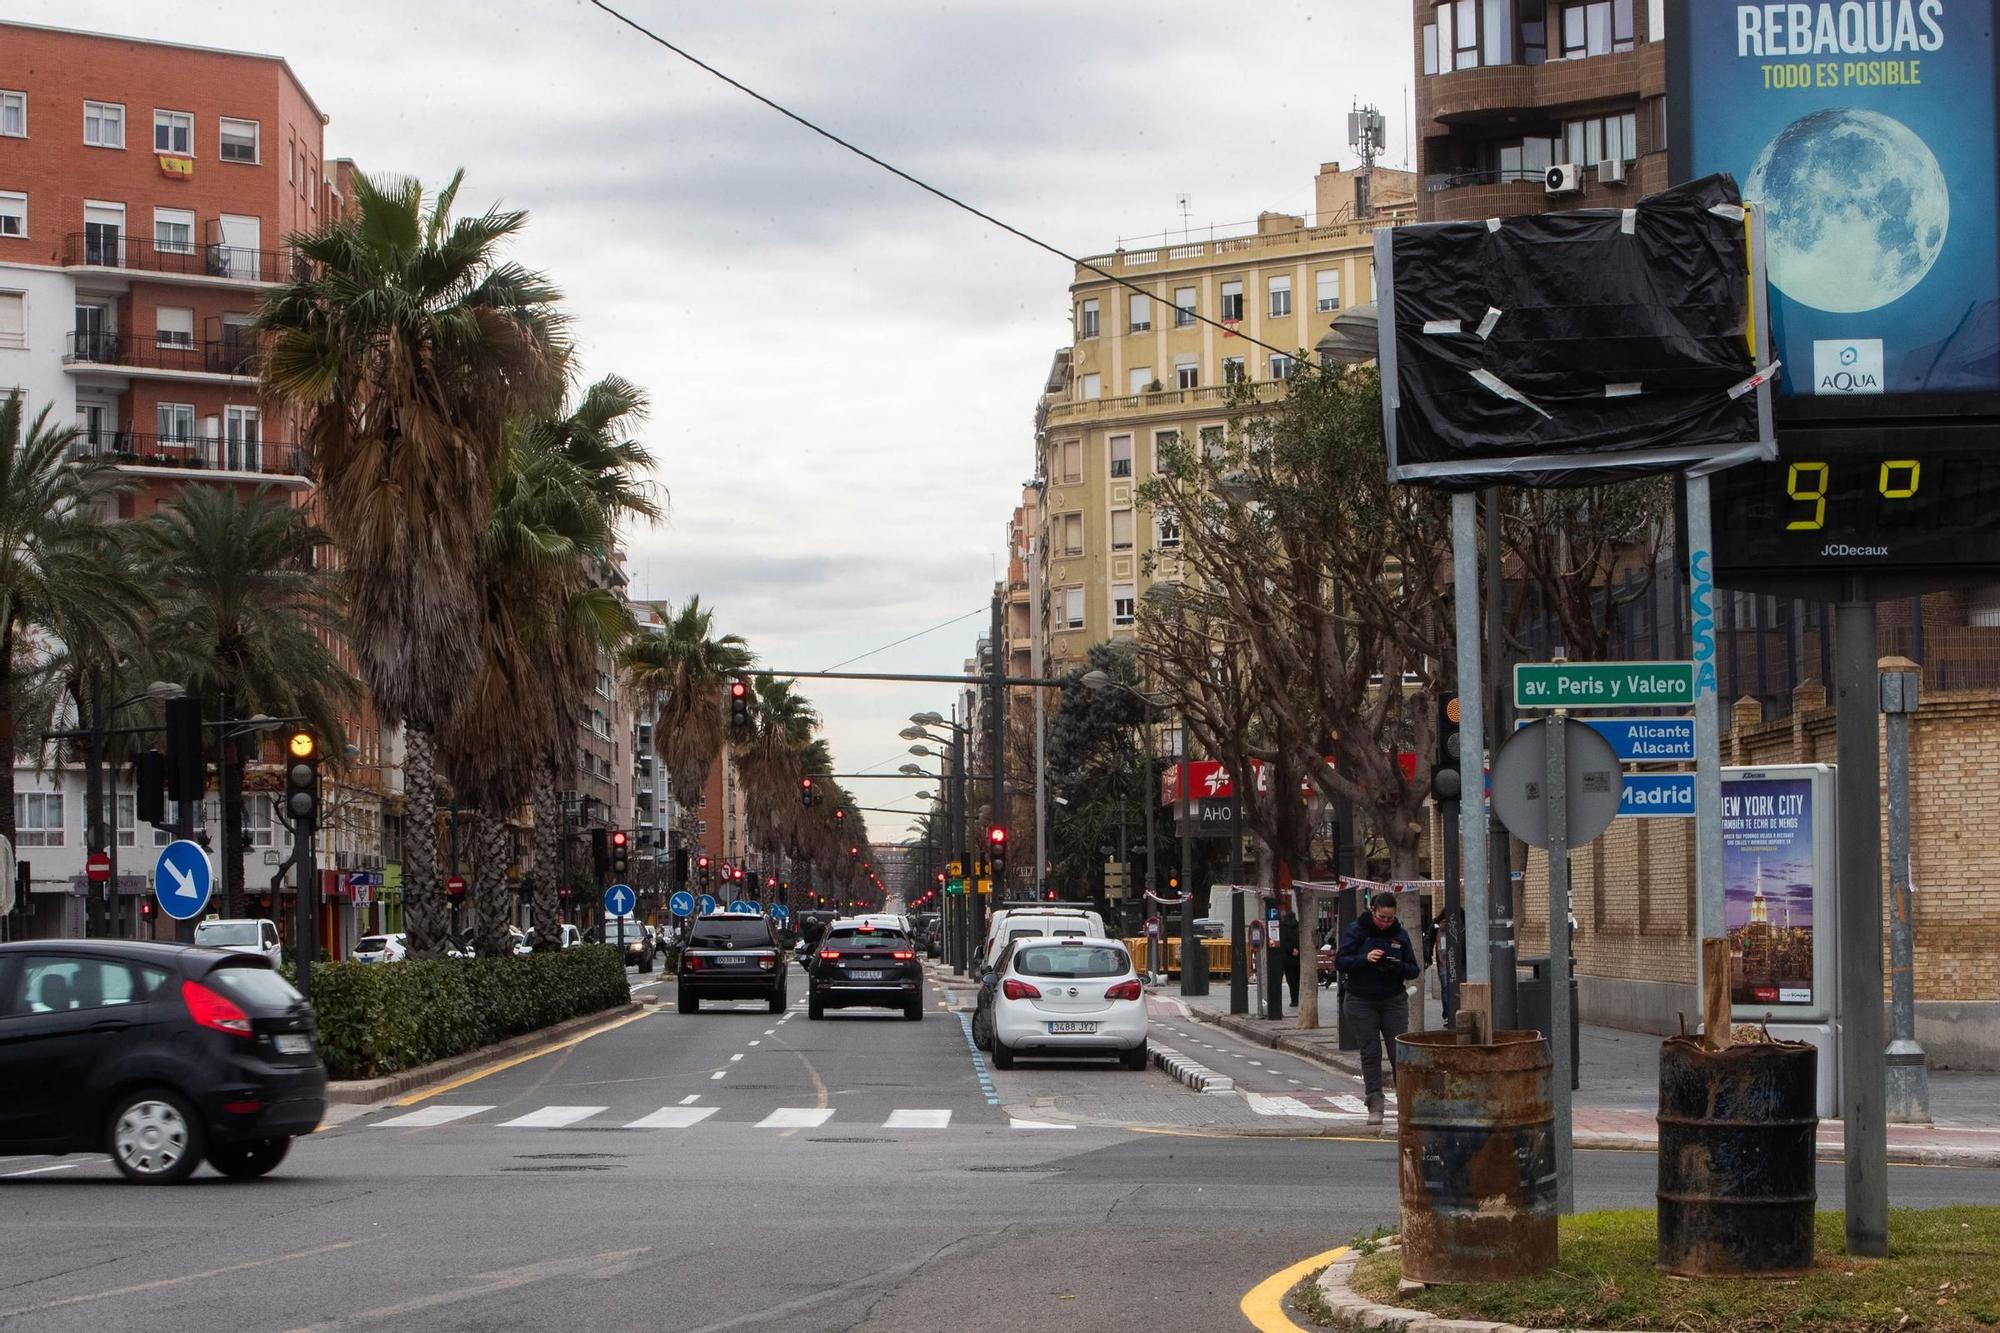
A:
<point x="1347" y="1304"/>
<point x="1339" y="1061"/>
<point x="1195" y="1075"/>
<point x="366" y="1090"/>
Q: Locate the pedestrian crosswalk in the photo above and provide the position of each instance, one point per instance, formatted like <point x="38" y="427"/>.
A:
<point x="670" y="1117"/>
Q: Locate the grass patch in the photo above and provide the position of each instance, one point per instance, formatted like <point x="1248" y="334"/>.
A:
<point x="1942" y="1276"/>
<point x="1309" y="1301"/>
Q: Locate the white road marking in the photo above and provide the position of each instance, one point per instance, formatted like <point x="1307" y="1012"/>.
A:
<point x="717" y="1074"/>
<point x="40" y="1170"/>
<point x="1015" y="1122"/>
<point x="770" y="1032"/>
<point x="674" y="1117"/>
<point x="797" y="1117"/>
<point x="428" y="1116"/>
<point x="757" y="1043"/>
<point x="917" y="1120"/>
<point x="734" y="1058"/>
<point x="553" y="1117"/>
<point x="691" y="1099"/>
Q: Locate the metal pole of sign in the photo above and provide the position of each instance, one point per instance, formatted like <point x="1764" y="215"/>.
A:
<point x="1909" y="1097"/>
<point x="1707" y="719"/>
<point x="1500" y="854"/>
<point x="1472" y="726"/>
<point x="1863" y="1071"/>
<point x="1558" y="802"/>
<point x="1239" y="955"/>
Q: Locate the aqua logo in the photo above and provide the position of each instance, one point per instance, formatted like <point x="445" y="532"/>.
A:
<point x="1847" y="366"/>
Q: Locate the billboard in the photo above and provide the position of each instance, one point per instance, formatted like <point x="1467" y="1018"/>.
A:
<point x="1778" y="876"/>
<point x="1864" y="133"/>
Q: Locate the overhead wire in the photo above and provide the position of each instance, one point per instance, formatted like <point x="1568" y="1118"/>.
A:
<point x="824" y="133"/>
<point x="977" y="611"/>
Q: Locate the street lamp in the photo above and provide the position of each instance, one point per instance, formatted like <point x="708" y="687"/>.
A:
<point x="101" y="834"/>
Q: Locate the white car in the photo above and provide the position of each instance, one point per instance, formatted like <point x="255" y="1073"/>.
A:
<point x="240" y="935"/>
<point x="382" y="948"/>
<point x="1093" y="925"/>
<point x="1069" y="997"/>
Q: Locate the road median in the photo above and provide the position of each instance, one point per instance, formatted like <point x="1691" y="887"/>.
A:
<point x="370" y="1090"/>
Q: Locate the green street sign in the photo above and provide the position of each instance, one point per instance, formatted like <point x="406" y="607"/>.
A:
<point x="1603" y="684"/>
<point x="954" y="886"/>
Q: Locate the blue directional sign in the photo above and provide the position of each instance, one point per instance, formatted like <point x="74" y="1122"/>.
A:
<point x="619" y="900"/>
<point x="781" y="914"/>
<point x="681" y="904"/>
<point x="1644" y="740"/>
<point x="1657" y="795"/>
<point x="740" y="906"/>
<point x="707" y="903"/>
<point x="182" y="879"/>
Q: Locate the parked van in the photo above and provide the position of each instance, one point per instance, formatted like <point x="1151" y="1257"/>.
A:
<point x="240" y="935"/>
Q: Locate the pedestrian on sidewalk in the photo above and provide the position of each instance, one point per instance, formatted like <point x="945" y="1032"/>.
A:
<point x="1377" y="961"/>
<point x="1288" y="943"/>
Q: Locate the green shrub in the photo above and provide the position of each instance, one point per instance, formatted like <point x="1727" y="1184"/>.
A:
<point x="380" y="1018"/>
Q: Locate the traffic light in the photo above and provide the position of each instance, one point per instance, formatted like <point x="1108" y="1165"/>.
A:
<point x="149" y="774"/>
<point x="301" y="778"/>
<point x="621" y="850"/>
<point x="739" y="704"/>
<point x="680" y="867"/>
<point x="185" y="756"/>
<point x="996" y="854"/>
<point x="600" y="851"/>
<point x="701" y="867"/>
<point x="1445" y="781"/>
<point x="854" y="852"/>
<point x="806" y="792"/>
<point x="840" y="819"/>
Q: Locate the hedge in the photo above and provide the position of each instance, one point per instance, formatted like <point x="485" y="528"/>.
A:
<point x="380" y="1018"/>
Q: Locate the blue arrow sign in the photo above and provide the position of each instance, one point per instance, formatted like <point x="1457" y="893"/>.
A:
<point x="619" y="900"/>
<point x="182" y="879"/>
<point x="1658" y="795"/>
<point x="707" y="904"/>
<point x="781" y="913"/>
<point x="681" y="904"/>
<point x="739" y="905"/>
<point x="1643" y="740"/>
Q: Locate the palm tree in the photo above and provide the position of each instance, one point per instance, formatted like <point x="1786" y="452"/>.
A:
<point x="65" y="584"/>
<point x="680" y="669"/>
<point x="244" y="624"/>
<point x="771" y="759"/>
<point x="406" y="349"/>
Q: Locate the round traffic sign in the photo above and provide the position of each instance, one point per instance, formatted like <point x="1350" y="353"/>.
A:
<point x="619" y="900"/>
<point x="707" y="904"/>
<point x="681" y="904"/>
<point x="781" y="913"/>
<point x="1521" y="778"/>
<point x="182" y="878"/>
<point x="97" y="867"/>
<point x="455" y="885"/>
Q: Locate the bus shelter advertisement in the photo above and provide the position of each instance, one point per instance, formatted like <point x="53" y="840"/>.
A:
<point x="1864" y="131"/>
<point x="1768" y="873"/>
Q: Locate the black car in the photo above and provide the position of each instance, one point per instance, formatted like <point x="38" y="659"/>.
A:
<point x="860" y="963"/>
<point x="732" y="956"/>
<point x="158" y="1054"/>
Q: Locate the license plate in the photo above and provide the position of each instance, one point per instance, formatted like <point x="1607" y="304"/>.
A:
<point x="867" y="976"/>
<point x="1084" y="1028"/>
<point x="290" y="1043"/>
<point x="731" y="962"/>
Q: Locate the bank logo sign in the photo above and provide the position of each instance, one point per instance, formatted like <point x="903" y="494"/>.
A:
<point x="1850" y="365"/>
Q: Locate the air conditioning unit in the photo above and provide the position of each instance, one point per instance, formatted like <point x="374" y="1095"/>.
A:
<point x="1564" y="178"/>
<point x="1611" y="171"/>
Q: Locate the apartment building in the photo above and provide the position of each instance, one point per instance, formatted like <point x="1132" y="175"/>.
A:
<point x="1143" y="370"/>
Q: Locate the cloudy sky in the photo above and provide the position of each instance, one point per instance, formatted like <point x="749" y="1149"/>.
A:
<point x="843" y="370"/>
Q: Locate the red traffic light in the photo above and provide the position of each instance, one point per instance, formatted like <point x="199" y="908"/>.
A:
<point x="840" y="815"/>
<point x="702" y="863"/>
<point x="738" y="689"/>
<point x="996" y="835"/>
<point x="618" y="838"/>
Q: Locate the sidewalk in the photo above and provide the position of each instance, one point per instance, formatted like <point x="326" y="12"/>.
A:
<point x="1619" y="1074"/>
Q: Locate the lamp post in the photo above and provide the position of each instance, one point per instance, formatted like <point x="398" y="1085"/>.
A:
<point x="102" y="833"/>
<point x="1098" y="680"/>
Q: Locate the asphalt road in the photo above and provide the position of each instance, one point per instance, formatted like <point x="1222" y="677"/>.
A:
<point x="734" y="1169"/>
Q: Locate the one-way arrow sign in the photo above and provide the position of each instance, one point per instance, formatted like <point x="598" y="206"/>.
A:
<point x="182" y="879"/>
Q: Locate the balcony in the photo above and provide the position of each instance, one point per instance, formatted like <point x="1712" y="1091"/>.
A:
<point x="210" y="262"/>
<point x="234" y="356"/>
<point x="1213" y="396"/>
<point x="154" y="454"/>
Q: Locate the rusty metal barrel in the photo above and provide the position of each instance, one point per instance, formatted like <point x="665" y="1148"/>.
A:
<point x="1476" y="1143"/>
<point x="1738" y="1187"/>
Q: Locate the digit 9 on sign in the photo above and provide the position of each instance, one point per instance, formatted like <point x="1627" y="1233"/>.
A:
<point x="1808" y="483"/>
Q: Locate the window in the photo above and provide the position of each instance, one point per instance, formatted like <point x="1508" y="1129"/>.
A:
<point x="1497" y="45"/>
<point x="1430" y="48"/>
<point x="1280" y="291"/>
<point x="128" y="820"/>
<point x="1326" y="290"/>
<point x="1121" y="455"/>
<point x="1526" y="159"/>
<point x="236" y="141"/>
<point x="104" y="124"/>
<point x="1072" y="608"/>
<point x="1164" y="442"/>
<point x="13" y="319"/>
<point x="1283" y="367"/>
<point x="1138" y="378"/>
<point x="1121" y="529"/>
<point x="176" y="422"/>
<point x="173" y="132"/>
<point x="1444" y="46"/>
<point x="51" y="983"/>
<point x="292" y="163"/>
<point x="1124" y="604"/>
<point x="1602" y="138"/>
<point x="14" y="114"/>
<point x="1070" y="465"/>
<point x="1141" y="312"/>
<point x="257" y="822"/>
<point x="1232" y="301"/>
<point x="1183" y="307"/>
<point x="1086" y="320"/>
<point x="13" y="214"/>
<point x="38" y="818"/>
<point x="1187" y="374"/>
<point x="1534" y="31"/>
<point x="173" y="231"/>
<point x="175" y="325"/>
<point x="1089" y="388"/>
<point x="1232" y="370"/>
<point x="1213" y="441"/>
<point x="1069" y="533"/>
<point x="1596" y="27"/>
<point x="1166" y="527"/>
<point x="1465" y="26"/>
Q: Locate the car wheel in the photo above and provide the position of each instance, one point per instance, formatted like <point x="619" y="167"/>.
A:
<point x="914" y="1011"/>
<point x="1003" y="1054"/>
<point x="689" y="1003"/>
<point x="249" y="1159"/>
<point x="778" y="1002"/>
<point x="814" y="1009"/>
<point x="1135" y="1058"/>
<point x="646" y="963"/>
<point x="156" y="1138"/>
<point x="982" y="1030"/>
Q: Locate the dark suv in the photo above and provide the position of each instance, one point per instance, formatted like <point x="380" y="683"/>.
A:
<point x="732" y="956"/>
<point x="860" y="963"/>
<point x="158" y="1054"/>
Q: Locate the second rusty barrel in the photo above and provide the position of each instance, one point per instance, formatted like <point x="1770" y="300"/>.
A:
<point x="1737" y="1186"/>
<point x="1476" y="1149"/>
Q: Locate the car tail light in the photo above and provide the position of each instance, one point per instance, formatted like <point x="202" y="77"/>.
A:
<point x="903" y="955"/>
<point x="1019" y="990"/>
<point x="829" y="955"/>
<point x="212" y="1010"/>
<point x="694" y="963"/>
<point x="242" y="1108"/>
<point x="766" y="961"/>
<point x="1124" y="990"/>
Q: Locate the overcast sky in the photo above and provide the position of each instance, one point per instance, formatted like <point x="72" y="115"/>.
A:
<point x="843" y="369"/>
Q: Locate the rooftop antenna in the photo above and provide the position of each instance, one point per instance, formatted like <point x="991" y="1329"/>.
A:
<point x="1185" y="205"/>
<point x="1366" y="129"/>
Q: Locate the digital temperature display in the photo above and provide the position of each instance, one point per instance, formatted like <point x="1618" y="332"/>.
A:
<point x="1847" y="503"/>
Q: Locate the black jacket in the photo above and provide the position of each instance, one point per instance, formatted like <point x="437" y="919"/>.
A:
<point x="1382" y="980"/>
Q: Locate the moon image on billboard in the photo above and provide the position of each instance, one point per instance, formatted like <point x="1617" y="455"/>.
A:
<point x="1857" y="206"/>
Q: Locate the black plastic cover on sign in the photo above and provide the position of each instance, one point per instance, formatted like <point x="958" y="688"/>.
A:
<point x="1573" y="348"/>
